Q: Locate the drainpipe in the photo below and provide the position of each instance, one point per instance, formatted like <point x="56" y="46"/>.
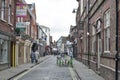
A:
<point x="117" y="54"/>
<point x="88" y="34"/>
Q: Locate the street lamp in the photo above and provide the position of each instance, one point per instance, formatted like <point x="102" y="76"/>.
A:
<point x="88" y="33"/>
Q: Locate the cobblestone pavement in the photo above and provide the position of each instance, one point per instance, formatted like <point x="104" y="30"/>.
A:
<point x="84" y="72"/>
<point x="7" y="74"/>
<point x="47" y="70"/>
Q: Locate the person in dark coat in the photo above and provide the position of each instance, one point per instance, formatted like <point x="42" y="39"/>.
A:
<point x="32" y="56"/>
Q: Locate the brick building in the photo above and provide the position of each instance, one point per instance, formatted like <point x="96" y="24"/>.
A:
<point x="7" y="27"/>
<point x="98" y="18"/>
<point x="26" y="31"/>
<point x="73" y="38"/>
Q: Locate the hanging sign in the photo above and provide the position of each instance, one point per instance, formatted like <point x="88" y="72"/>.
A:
<point x="21" y="10"/>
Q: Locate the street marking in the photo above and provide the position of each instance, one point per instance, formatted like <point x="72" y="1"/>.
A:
<point x="73" y="74"/>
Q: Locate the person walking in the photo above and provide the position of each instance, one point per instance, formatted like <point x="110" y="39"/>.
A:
<point x="36" y="56"/>
<point x="32" y="56"/>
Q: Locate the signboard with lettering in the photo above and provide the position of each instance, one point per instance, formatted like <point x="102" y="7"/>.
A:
<point x="20" y="27"/>
<point x="20" y="24"/>
<point x="21" y="10"/>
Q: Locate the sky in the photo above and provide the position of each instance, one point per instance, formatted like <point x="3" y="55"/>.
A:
<point x="55" y="14"/>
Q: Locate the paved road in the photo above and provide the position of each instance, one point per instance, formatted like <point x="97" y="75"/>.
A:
<point x="47" y="70"/>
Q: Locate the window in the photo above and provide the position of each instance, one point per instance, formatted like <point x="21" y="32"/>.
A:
<point x="3" y="10"/>
<point x="3" y="51"/>
<point x="18" y="19"/>
<point x="107" y="30"/>
<point x="93" y="40"/>
<point x="9" y="13"/>
<point x="21" y="19"/>
<point x="107" y="19"/>
<point x="81" y="6"/>
<point x="98" y="24"/>
<point x="93" y="30"/>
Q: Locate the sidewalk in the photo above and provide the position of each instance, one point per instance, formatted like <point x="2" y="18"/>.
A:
<point x="84" y="72"/>
<point x="11" y="72"/>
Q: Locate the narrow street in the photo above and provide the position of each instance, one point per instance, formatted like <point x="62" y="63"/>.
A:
<point x="47" y="70"/>
<point x="60" y="40"/>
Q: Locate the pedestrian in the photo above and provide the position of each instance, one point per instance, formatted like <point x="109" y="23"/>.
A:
<point x="36" y="56"/>
<point x="32" y="56"/>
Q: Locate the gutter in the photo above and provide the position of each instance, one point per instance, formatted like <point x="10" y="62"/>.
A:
<point x="117" y="54"/>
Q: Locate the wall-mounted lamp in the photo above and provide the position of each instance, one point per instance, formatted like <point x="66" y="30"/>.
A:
<point x="74" y="11"/>
<point x="88" y="33"/>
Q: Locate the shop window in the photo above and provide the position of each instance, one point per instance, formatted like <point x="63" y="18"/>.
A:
<point x="3" y="51"/>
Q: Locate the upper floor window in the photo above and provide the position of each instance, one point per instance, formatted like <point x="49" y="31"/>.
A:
<point x="107" y="31"/>
<point x="9" y="13"/>
<point x="107" y="19"/>
<point x="81" y="6"/>
<point x="19" y="19"/>
<point x="93" y="30"/>
<point x="98" y="24"/>
<point x="3" y="9"/>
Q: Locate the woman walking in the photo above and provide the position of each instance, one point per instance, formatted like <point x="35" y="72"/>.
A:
<point x="36" y="56"/>
<point x="32" y="56"/>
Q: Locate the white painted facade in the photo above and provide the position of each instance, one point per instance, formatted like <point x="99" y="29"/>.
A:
<point x="47" y="32"/>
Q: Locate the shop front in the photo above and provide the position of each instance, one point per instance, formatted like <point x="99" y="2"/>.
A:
<point x="4" y="51"/>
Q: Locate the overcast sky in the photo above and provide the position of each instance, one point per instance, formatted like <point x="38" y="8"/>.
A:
<point x="55" y="14"/>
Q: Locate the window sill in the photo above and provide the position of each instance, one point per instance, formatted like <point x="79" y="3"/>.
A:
<point x="107" y="52"/>
<point x="3" y="20"/>
<point x="10" y="24"/>
<point x="3" y="62"/>
<point x="107" y="55"/>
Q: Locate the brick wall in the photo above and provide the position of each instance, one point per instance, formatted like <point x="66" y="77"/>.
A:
<point x="4" y="25"/>
<point x="97" y="12"/>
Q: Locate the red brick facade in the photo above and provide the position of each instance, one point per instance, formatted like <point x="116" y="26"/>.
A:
<point x="94" y="45"/>
<point x="7" y="27"/>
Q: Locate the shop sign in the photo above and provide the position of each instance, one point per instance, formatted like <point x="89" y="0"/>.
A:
<point x="21" y="10"/>
<point x="20" y="24"/>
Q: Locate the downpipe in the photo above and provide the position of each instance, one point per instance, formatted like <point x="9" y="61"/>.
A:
<point x="117" y="54"/>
